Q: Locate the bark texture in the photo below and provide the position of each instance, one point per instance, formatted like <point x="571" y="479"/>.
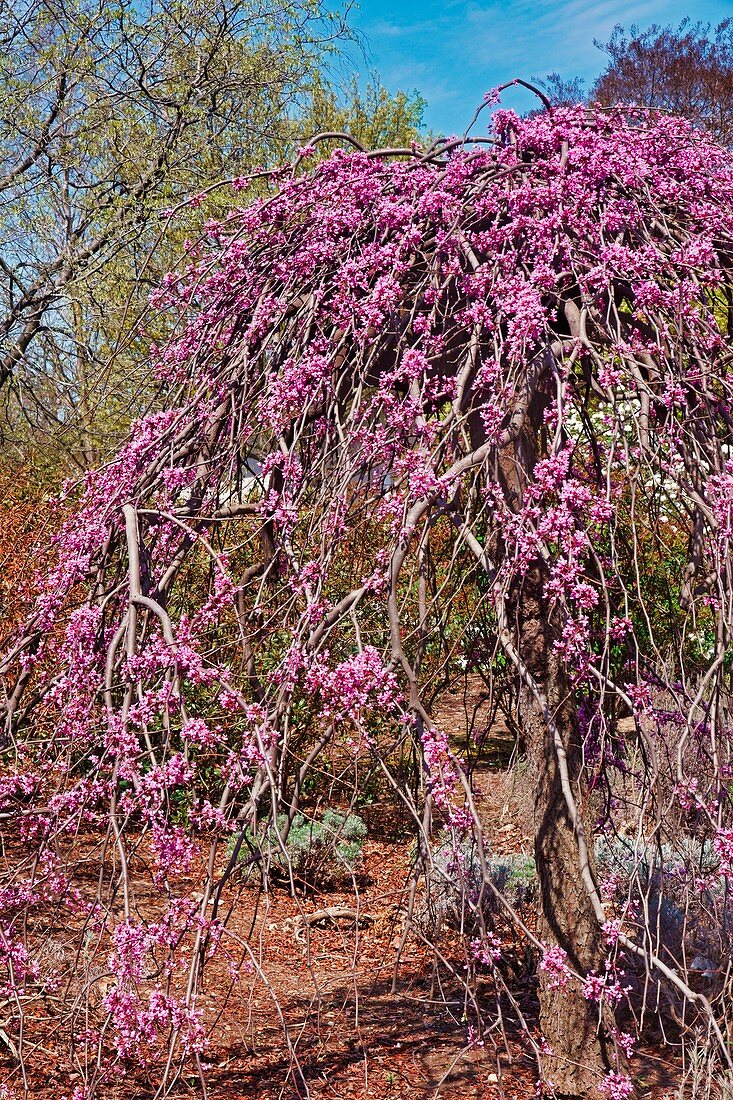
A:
<point x="569" y="1023"/>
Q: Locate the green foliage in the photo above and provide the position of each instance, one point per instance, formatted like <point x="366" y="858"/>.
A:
<point x="316" y="851"/>
<point x="515" y="875"/>
<point x="370" y="114"/>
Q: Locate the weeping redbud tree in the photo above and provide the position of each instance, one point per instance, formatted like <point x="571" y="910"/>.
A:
<point x="422" y="410"/>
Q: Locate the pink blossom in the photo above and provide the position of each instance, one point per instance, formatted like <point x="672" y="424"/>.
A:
<point x="616" y="1086"/>
<point x="554" y="963"/>
<point x="487" y="950"/>
<point x="723" y="846"/>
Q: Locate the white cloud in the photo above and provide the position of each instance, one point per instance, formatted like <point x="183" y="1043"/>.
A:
<point x="545" y="34"/>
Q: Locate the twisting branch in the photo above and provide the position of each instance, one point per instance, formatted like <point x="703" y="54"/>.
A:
<point x="452" y="416"/>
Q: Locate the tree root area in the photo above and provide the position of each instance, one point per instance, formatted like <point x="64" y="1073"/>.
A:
<point x="317" y="1015"/>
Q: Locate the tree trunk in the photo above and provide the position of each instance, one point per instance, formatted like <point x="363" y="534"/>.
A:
<point x="569" y="1023"/>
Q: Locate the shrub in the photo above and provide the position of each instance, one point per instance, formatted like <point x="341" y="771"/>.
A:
<point x="454" y="887"/>
<point x="315" y="851"/>
<point x="688" y="902"/>
<point x="656" y="879"/>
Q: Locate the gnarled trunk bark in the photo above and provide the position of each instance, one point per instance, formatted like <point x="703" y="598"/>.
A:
<point x="570" y="1023"/>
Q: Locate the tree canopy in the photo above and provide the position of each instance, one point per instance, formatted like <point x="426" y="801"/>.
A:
<point x="465" y="404"/>
<point x="685" y="70"/>
<point x="109" y="116"/>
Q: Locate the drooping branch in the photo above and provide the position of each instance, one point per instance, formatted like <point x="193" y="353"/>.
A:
<point x="452" y="410"/>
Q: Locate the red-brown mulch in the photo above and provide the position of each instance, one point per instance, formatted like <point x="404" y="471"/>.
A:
<point x="351" y="1037"/>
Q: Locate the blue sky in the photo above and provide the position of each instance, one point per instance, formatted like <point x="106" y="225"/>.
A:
<point x="452" y="52"/>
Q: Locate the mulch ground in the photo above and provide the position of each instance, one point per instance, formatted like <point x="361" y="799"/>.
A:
<point x="325" y="1012"/>
<point x="322" y="1016"/>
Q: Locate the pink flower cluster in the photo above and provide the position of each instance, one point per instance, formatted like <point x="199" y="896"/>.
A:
<point x="554" y="963"/>
<point x="616" y="1086"/>
<point x="597" y="987"/>
<point x="355" y="686"/>
<point x="487" y="950"/>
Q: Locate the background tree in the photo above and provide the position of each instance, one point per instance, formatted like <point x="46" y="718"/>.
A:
<point x="687" y="70"/>
<point x="372" y="116"/>
<point x="563" y="93"/>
